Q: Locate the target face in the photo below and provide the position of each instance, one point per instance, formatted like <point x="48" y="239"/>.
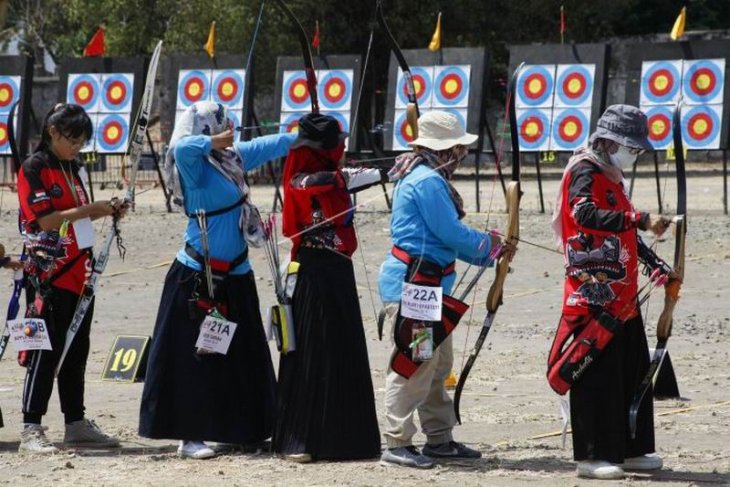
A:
<point x="570" y="128"/>
<point x="83" y="89"/>
<point x="4" y="142"/>
<point x="535" y="86"/>
<point x="402" y="133"/>
<point x="659" y="120"/>
<point x="422" y="82"/>
<point x="574" y="87"/>
<point x="112" y="133"/>
<point x="193" y="86"/>
<point x="335" y="89"/>
<point x="295" y="93"/>
<point x="116" y="93"/>
<point x="289" y="122"/>
<point x="703" y="81"/>
<point x="701" y="127"/>
<point x="660" y="82"/>
<point x="534" y="129"/>
<point x="9" y="92"/>
<point x="228" y="87"/>
<point x="451" y="86"/>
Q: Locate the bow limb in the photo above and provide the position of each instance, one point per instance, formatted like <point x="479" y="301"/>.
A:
<point x="247" y="115"/>
<point x="412" y="112"/>
<point x="494" y="296"/>
<point x="306" y="55"/>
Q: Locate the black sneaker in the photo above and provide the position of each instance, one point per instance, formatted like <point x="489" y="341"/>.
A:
<point x="452" y="449"/>
<point x="406" y="456"/>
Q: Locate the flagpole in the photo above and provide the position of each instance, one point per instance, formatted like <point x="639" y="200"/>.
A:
<point x="562" y="25"/>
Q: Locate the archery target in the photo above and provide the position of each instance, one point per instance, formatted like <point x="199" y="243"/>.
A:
<point x="534" y="129"/>
<point x="451" y="86"/>
<point x="295" y="92"/>
<point x="570" y="128"/>
<point x="701" y="127"/>
<point x="289" y="122"/>
<point x="660" y="82"/>
<point x="193" y="85"/>
<point x="83" y="89"/>
<point x="116" y="92"/>
<point x="9" y="92"/>
<point x="335" y="89"/>
<point x="228" y="87"/>
<point x="574" y="86"/>
<point x="402" y="133"/>
<point x="535" y="86"/>
<point x="423" y="83"/>
<point x="703" y="81"/>
<point x="659" y="120"/>
<point x="112" y="133"/>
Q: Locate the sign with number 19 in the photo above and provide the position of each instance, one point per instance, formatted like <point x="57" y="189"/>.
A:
<point x="127" y="360"/>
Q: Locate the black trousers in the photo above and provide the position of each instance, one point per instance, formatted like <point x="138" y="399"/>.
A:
<point x="58" y="311"/>
<point x="600" y="400"/>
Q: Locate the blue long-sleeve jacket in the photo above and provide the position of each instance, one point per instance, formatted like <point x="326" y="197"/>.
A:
<point x="425" y="222"/>
<point x="208" y="189"/>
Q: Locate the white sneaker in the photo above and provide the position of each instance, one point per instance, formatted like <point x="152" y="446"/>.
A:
<point x="598" y="469"/>
<point x="86" y="433"/>
<point x="650" y="461"/>
<point x="195" y="449"/>
<point x="33" y="440"/>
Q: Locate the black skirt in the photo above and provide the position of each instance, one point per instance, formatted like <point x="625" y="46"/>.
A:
<point x="326" y="406"/>
<point x="226" y="398"/>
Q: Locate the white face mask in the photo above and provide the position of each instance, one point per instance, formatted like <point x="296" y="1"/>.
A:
<point x="623" y="158"/>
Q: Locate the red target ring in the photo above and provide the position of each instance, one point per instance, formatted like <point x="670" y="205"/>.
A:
<point x="659" y="127"/>
<point x="532" y="129"/>
<point x="661" y="82"/>
<point x="700" y="126"/>
<point x="194" y="89"/>
<point x="227" y="89"/>
<point x="83" y="93"/>
<point x="703" y="81"/>
<point x="334" y="90"/>
<point x="574" y="85"/>
<point x="535" y="86"/>
<point x="116" y="92"/>
<point x="451" y="86"/>
<point x="570" y="128"/>
<point x="298" y="91"/>
<point x="113" y="133"/>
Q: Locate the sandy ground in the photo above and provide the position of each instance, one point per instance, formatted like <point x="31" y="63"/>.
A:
<point x="507" y="402"/>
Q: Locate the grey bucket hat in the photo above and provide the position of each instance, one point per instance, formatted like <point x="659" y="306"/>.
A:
<point x="624" y="124"/>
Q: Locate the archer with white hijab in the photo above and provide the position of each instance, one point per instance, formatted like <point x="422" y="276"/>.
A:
<point x="190" y="394"/>
<point x="596" y="225"/>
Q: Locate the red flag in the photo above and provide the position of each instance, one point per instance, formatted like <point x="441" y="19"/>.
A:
<point x="95" y="47"/>
<point x="315" y="38"/>
<point x="563" y="25"/>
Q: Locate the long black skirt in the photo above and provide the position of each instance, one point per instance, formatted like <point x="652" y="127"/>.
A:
<point x="326" y="406"/>
<point x="226" y="398"/>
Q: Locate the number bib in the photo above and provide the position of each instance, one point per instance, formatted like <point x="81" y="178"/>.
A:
<point x="422" y="303"/>
<point x="29" y="334"/>
<point x="216" y="334"/>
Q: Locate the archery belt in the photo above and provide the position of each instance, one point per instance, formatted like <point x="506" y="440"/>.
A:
<point x="408" y="334"/>
<point x="591" y="335"/>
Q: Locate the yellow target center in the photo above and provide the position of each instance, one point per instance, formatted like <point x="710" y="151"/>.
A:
<point x="227" y="89"/>
<point x="661" y="82"/>
<point x="84" y="93"/>
<point x="535" y="86"/>
<point x="658" y="127"/>
<point x="116" y="93"/>
<point x="703" y="82"/>
<point x="3" y="134"/>
<point x="451" y="86"/>
<point x="300" y="91"/>
<point x="574" y="86"/>
<point x="700" y="127"/>
<point x="4" y="95"/>
<point x="112" y="132"/>
<point x="417" y="85"/>
<point x="531" y="129"/>
<point x="335" y="90"/>
<point x="570" y="129"/>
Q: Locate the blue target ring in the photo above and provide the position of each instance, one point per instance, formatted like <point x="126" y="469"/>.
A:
<point x="575" y="73"/>
<point x="117" y="93"/>
<point x="452" y="74"/>
<point x="84" y="91"/>
<point x="112" y="133"/>
<point x="700" y="127"/>
<point x="660" y="83"/>
<point x="534" y="128"/>
<point x="423" y="85"/>
<point x="570" y="129"/>
<point x="535" y="86"/>
<point x="193" y="86"/>
<point x="340" y="82"/>
<point x="703" y="81"/>
<point x="228" y="87"/>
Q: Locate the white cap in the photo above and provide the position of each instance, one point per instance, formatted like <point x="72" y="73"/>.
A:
<point x="439" y="130"/>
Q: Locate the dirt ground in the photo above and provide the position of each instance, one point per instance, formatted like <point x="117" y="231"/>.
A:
<point x="507" y="407"/>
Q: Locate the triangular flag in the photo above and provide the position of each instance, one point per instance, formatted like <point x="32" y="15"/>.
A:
<point x="315" y="37"/>
<point x="95" y="47"/>
<point x="678" y="28"/>
<point x="210" y="45"/>
<point x="435" y="43"/>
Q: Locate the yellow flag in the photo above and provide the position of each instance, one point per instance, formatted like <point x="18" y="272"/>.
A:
<point x="678" y="28"/>
<point x="210" y="45"/>
<point x="435" y="43"/>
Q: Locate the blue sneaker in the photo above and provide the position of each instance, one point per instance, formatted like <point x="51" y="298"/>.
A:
<point x="452" y="449"/>
<point x="406" y="456"/>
